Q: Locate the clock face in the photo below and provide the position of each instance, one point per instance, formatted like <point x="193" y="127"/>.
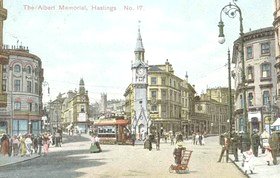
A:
<point x="141" y="71"/>
<point x="83" y="98"/>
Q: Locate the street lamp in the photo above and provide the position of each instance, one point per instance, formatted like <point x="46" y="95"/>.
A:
<point x="231" y="10"/>
<point x="229" y="93"/>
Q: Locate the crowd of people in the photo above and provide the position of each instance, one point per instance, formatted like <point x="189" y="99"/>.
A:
<point x="198" y="138"/>
<point x="25" y="145"/>
<point x="249" y="148"/>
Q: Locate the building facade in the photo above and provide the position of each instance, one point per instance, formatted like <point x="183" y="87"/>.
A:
<point x="3" y="61"/>
<point x="211" y="115"/>
<point x="170" y="99"/>
<point x="22" y="81"/>
<point x="260" y="77"/>
<point x="276" y="25"/>
<point x="75" y="109"/>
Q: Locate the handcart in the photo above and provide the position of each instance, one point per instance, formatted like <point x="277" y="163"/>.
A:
<point x="183" y="167"/>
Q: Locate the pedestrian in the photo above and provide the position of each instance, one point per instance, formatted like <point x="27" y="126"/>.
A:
<point x="264" y="140"/>
<point x="248" y="161"/>
<point x="97" y="142"/>
<point x="5" y="145"/>
<point x="158" y="141"/>
<point x="196" y="138"/>
<point x="28" y="143"/>
<point x="234" y="145"/>
<point x="46" y="143"/>
<point x="15" y="145"/>
<point x="268" y="155"/>
<point x="177" y="152"/>
<point x="93" y="147"/>
<point x="193" y="138"/>
<point x="273" y="143"/>
<point x="255" y="143"/>
<point x="225" y="147"/>
<point x="133" y="138"/>
<point x="202" y="139"/>
<point x="150" y="138"/>
<point x="171" y="139"/>
<point x="35" y="144"/>
<point x="40" y="144"/>
<point x="22" y="146"/>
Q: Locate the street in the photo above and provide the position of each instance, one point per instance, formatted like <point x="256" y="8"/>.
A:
<point x="74" y="160"/>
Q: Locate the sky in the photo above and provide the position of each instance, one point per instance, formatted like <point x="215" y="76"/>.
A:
<point x="97" y="43"/>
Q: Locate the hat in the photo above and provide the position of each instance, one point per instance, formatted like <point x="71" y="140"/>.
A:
<point x="180" y="144"/>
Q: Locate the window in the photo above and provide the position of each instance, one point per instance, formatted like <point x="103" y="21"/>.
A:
<point x="241" y="101"/>
<point x="36" y="107"/>
<point x="17" y="85"/>
<point x="250" y="99"/>
<point x="266" y="98"/>
<point x="36" y="88"/>
<point x="29" y="87"/>
<point x="265" y="67"/>
<point x="154" y="94"/>
<point x="20" y="127"/>
<point x="82" y="108"/>
<point x="265" y="48"/>
<point x="250" y="73"/>
<point x="163" y="95"/>
<point x="249" y="52"/>
<point x="163" y="81"/>
<point x="154" y="108"/>
<point x="4" y="84"/>
<point x="30" y="107"/>
<point x="17" y="105"/>
<point x="29" y="70"/>
<point x="17" y="68"/>
<point x="153" y="80"/>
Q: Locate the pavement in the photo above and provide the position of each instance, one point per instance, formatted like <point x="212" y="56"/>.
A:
<point x="6" y="160"/>
<point x="261" y="169"/>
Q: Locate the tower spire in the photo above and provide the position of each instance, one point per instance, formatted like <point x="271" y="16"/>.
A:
<point x="139" y="49"/>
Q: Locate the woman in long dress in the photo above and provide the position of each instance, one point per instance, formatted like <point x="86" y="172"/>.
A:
<point x="94" y="147"/>
<point x="46" y="142"/>
<point x="22" y="146"/>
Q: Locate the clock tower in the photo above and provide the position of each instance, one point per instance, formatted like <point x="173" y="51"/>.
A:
<point x="140" y="122"/>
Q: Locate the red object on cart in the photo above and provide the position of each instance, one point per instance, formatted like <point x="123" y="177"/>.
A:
<point x="183" y="167"/>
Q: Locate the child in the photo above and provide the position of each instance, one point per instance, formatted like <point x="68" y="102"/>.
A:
<point x="248" y="161"/>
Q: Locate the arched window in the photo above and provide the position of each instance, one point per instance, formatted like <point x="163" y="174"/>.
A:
<point x="29" y="70"/>
<point x="17" y="68"/>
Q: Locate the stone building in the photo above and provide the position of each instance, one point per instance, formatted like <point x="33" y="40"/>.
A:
<point x="276" y="25"/>
<point x="170" y="99"/>
<point x="3" y="61"/>
<point x="103" y="103"/>
<point x="211" y="115"/>
<point x="165" y="100"/>
<point x="260" y="78"/>
<point x="22" y="81"/>
<point x="75" y="109"/>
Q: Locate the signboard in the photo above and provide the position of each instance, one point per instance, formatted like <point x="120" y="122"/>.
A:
<point x="82" y="117"/>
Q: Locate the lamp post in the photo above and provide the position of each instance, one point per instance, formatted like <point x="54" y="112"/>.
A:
<point x="231" y="10"/>
<point x="229" y="93"/>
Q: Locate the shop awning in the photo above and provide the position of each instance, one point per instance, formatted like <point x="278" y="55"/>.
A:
<point x="276" y="123"/>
